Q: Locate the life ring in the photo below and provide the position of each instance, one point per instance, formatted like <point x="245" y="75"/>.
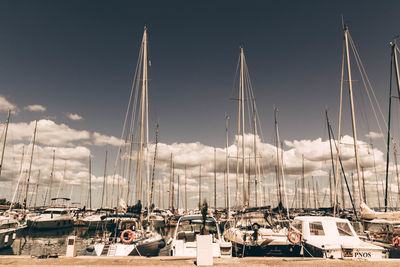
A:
<point x="131" y="236"/>
<point x="294" y="237"/>
<point x="395" y="241"/>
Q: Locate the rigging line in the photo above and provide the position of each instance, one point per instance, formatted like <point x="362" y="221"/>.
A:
<point x="235" y="79"/>
<point x="254" y="107"/>
<point x="369" y="83"/>
<point x="364" y="77"/>
<point x="367" y="89"/>
<point x="128" y="108"/>
<point x="360" y="106"/>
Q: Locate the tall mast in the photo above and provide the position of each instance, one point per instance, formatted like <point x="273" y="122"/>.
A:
<point x="215" y="178"/>
<point x="173" y="187"/>
<point x="177" y="198"/>
<point x="248" y="183"/>
<point x="242" y="117"/>
<point x="154" y="167"/>
<point x="388" y="132"/>
<point x="4" y="141"/>
<point x="30" y="166"/>
<point x="185" y="191"/>
<point x="143" y="115"/>
<point x="314" y="193"/>
<point x="90" y="183"/>
<point x="170" y="184"/>
<point x="104" y="194"/>
<point x="394" y="63"/>
<point x="397" y="172"/>
<point x="281" y="165"/>
<point x="363" y="179"/>
<point x="353" y="118"/>
<point x="227" y="165"/>
<point x="19" y="179"/>
<point x="330" y="188"/>
<point x="37" y="189"/>
<point x="129" y="167"/>
<point x="277" y="155"/>
<point x="330" y="146"/>
<point x="200" y="188"/>
<point x="255" y="154"/>
<point x="51" y="177"/>
<point x="336" y="172"/>
<point x="302" y="182"/>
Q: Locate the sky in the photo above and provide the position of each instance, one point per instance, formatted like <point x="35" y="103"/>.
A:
<point x="70" y="65"/>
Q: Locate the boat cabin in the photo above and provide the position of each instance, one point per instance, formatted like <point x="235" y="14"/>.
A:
<point x="188" y="227"/>
<point x="331" y="237"/>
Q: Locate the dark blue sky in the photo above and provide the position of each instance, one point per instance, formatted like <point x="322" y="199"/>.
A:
<point x="79" y="57"/>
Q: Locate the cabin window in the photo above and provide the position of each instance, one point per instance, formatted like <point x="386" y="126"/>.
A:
<point x="316" y="228"/>
<point x="344" y="229"/>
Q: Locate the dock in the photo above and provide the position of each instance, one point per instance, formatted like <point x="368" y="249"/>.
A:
<point x="184" y="261"/>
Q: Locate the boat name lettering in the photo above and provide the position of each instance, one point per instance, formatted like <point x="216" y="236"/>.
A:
<point x="362" y="254"/>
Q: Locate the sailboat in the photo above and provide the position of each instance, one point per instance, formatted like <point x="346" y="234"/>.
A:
<point x="249" y="232"/>
<point x="366" y="212"/>
<point x="129" y="237"/>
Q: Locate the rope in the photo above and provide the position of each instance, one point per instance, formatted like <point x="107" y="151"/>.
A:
<point x="368" y="87"/>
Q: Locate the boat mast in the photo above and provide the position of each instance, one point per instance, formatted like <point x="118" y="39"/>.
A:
<point x="281" y="165"/>
<point x="154" y="167"/>
<point x="242" y="103"/>
<point x="173" y="187"/>
<point x="104" y="194"/>
<point x="200" y="188"/>
<point x="397" y="172"/>
<point x="336" y="172"/>
<point x="248" y="183"/>
<point x="170" y="183"/>
<point x="353" y="118"/>
<point x="90" y="183"/>
<point x="177" y="198"/>
<point x="185" y="191"/>
<point x="363" y="179"/>
<point x="30" y="166"/>
<point x="314" y="193"/>
<point x="215" y="179"/>
<point x="143" y="114"/>
<point x="129" y="167"/>
<point x="255" y="154"/>
<point x="227" y="165"/>
<point x="330" y="146"/>
<point x="394" y="63"/>
<point x="37" y="189"/>
<point x="277" y="168"/>
<point x="302" y="182"/>
<point x="4" y="141"/>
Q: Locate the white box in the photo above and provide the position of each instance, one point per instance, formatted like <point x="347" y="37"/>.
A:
<point x="204" y="250"/>
<point x="71" y="246"/>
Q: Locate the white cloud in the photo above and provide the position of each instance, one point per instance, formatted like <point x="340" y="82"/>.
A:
<point x="103" y="140"/>
<point x="72" y="150"/>
<point x="37" y="108"/>
<point x="5" y="105"/>
<point x="74" y="116"/>
<point x="374" y="135"/>
<point x="48" y="133"/>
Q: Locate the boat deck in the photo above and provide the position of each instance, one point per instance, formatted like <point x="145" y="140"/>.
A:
<point x="184" y="261"/>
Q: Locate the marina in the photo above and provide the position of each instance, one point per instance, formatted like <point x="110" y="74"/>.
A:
<point x="168" y="169"/>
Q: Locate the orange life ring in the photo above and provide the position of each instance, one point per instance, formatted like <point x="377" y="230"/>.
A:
<point x="294" y="237"/>
<point x="395" y="241"/>
<point x="131" y="236"/>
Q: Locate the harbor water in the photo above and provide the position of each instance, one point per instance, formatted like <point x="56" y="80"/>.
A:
<point x="54" y="242"/>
